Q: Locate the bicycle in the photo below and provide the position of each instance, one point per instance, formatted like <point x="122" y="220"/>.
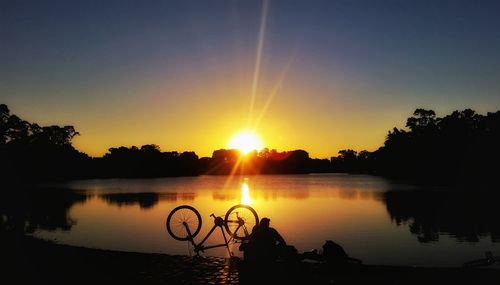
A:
<point x="184" y="223"/>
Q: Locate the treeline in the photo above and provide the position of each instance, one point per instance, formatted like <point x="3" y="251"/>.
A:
<point x="30" y="152"/>
<point x="146" y="161"/>
<point x="461" y="145"/>
<point x="267" y="161"/>
<point x="150" y="161"/>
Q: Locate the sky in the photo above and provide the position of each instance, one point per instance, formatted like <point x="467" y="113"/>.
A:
<point x="187" y="75"/>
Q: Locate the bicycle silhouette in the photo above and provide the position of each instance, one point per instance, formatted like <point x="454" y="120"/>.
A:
<point x="184" y="223"/>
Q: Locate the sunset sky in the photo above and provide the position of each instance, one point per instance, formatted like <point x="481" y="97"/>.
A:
<point x="187" y="75"/>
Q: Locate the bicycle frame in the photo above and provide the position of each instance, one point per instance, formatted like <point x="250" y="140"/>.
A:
<point x="218" y="222"/>
<point x="184" y="223"/>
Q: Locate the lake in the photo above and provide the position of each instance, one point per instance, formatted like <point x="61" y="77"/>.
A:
<point x="374" y="219"/>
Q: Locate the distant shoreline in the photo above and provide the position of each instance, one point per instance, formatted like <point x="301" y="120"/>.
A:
<point x="467" y="185"/>
<point x="457" y="149"/>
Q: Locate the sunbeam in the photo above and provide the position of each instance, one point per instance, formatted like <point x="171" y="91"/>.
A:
<point x="258" y="59"/>
<point x="274" y="91"/>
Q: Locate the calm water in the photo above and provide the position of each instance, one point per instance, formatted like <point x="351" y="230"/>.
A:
<point x="373" y="219"/>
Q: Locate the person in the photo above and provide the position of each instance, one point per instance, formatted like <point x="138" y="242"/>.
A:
<point x="264" y="244"/>
<point x="338" y="266"/>
<point x="334" y="254"/>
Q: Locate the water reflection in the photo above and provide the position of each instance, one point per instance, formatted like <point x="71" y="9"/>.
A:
<point x="182" y="197"/>
<point x="466" y="216"/>
<point x="248" y="194"/>
<point x="144" y="200"/>
<point x="245" y="194"/>
<point x="362" y="213"/>
<point x="28" y="210"/>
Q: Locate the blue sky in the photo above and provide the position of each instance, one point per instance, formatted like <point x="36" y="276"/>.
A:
<point x="332" y="74"/>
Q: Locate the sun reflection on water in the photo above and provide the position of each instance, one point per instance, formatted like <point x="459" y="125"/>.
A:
<point x="354" y="210"/>
<point x="245" y="194"/>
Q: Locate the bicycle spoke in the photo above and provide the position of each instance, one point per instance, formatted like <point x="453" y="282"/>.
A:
<point x="240" y="216"/>
<point x="183" y="222"/>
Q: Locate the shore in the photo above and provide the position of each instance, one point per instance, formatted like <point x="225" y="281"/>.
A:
<point x="30" y="261"/>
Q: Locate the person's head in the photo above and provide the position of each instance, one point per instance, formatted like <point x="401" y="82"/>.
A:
<point x="264" y="222"/>
<point x="328" y="246"/>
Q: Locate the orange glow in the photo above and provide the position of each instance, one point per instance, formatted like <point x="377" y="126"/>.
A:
<point x="321" y="126"/>
<point x="245" y="142"/>
<point x="245" y="194"/>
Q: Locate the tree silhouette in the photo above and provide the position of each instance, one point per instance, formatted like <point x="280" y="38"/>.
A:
<point x="31" y="152"/>
<point x="458" y="148"/>
<point x="422" y="120"/>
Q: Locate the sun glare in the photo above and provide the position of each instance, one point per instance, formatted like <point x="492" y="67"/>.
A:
<point x="245" y="142"/>
<point x="245" y="194"/>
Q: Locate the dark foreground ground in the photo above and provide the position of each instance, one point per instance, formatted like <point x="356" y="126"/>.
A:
<point x="30" y="261"/>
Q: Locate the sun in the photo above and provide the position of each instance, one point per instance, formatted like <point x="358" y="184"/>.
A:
<point x="245" y="142"/>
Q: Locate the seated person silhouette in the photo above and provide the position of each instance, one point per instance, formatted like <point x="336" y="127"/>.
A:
<point x="334" y="254"/>
<point x="265" y="244"/>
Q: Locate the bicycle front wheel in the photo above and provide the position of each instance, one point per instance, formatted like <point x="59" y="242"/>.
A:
<point x="240" y="220"/>
<point x="181" y="219"/>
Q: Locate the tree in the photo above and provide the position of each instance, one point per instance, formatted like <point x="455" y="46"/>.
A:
<point x="422" y="119"/>
<point x="17" y="129"/>
<point x="31" y="152"/>
<point x="56" y="135"/>
<point x="151" y="149"/>
<point x="4" y="118"/>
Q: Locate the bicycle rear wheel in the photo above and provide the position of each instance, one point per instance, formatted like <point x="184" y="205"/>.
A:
<point x="179" y="218"/>
<point x="240" y="220"/>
